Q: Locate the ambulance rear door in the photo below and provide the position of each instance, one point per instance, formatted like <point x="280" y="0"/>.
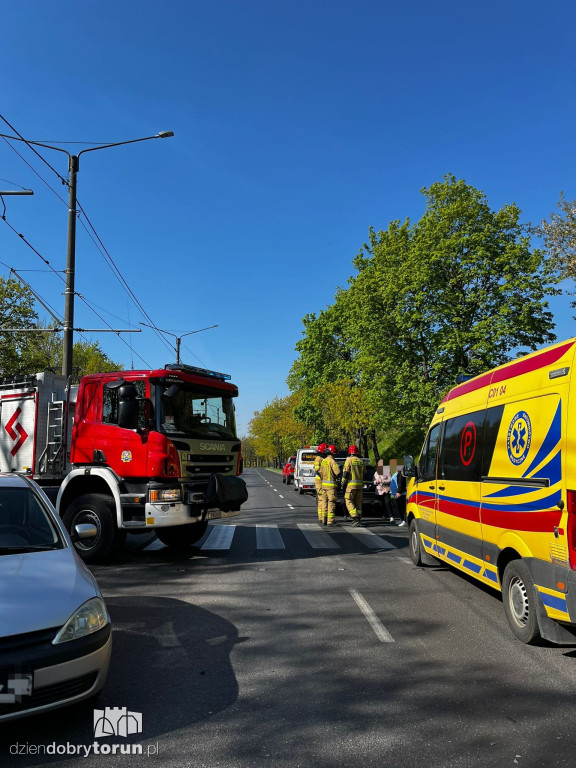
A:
<point x="522" y="484"/>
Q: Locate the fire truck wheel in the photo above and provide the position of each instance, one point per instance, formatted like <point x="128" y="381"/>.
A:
<point x="519" y="597"/>
<point x="182" y="536"/>
<point x="95" y="509"/>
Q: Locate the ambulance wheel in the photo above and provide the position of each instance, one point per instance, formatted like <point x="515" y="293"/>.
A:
<point x="182" y="537"/>
<point x="415" y="543"/>
<point x="300" y="491"/>
<point x="95" y="509"/>
<point x="519" y="597"/>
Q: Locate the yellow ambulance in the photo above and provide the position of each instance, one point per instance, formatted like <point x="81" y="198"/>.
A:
<point x="493" y="492"/>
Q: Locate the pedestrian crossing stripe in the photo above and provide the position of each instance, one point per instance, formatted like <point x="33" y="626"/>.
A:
<point x="268" y="537"/>
<point x="316" y="537"/>
<point x="220" y="537"/>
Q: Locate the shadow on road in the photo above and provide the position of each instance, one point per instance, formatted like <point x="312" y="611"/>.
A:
<point x="170" y="662"/>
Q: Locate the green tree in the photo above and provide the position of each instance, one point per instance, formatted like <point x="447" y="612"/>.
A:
<point x="41" y="350"/>
<point x="456" y="293"/>
<point x="559" y="235"/>
<point x="16" y="311"/>
<point x="274" y="431"/>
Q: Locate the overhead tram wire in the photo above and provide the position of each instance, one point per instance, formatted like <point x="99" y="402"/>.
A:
<point x="34" y="171"/>
<point x="21" y="236"/>
<point x="30" y="146"/>
<point x="51" y="311"/>
<point x="77" y="294"/>
<point x="104" y="251"/>
<point x="66" y="182"/>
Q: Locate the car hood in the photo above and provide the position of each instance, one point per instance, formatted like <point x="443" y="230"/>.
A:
<point x="40" y="590"/>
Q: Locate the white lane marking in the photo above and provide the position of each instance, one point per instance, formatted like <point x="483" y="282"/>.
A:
<point x="220" y="537"/>
<point x="156" y="544"/>
<point x="379" y="629"/>
<point x="406" y="560"/>
<point x="268" y="537"/>
<point x="280" y="497"/>
<point x="370" y="539"/>
<point x="290" y="506"/>
<point x="316" y="537"/>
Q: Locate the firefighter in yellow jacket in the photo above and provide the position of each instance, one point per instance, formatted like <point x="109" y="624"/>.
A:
<point x="329" y="472"/>
<point x="352" y="478"/>
<point x="320" y="452"/>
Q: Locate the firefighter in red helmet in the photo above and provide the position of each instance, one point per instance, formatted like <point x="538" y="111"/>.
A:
<point x="353" y="479"/>
<point x="329" y="472"/>
<point x="320" y="451"/>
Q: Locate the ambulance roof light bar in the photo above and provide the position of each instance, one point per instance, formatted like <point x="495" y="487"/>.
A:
<point x="198" y="371"/>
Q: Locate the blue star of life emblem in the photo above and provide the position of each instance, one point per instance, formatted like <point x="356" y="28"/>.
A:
<point x="519" y="437"/>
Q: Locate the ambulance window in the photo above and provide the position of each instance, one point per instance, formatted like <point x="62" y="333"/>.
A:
<point x="461" y="457"/>
<point x="427" y="463"/>
<point x="491" y="429"/>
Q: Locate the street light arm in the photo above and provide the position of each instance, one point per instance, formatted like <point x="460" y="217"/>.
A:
<point x="161" y="135"/>
<point x="198" y="331"/>
<point x="158" y="329"/>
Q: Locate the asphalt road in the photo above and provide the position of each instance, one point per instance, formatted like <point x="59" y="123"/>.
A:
<point x="279" y="644"/>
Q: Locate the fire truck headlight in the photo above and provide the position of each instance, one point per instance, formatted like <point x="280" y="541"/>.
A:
<point x="89" y="618"/>
<point x="166" y="494"/>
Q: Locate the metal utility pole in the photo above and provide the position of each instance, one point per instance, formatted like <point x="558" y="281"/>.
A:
<point x="68" y="329"/>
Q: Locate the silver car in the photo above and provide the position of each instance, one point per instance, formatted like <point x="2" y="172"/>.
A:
<point x="55" y="633"/>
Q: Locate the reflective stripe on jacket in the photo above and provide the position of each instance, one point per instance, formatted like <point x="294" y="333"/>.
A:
<point x="354" y="468"/>
<point x="329" y="471"/>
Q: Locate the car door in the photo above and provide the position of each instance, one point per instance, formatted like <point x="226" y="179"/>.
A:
<point x="459" y="474"/>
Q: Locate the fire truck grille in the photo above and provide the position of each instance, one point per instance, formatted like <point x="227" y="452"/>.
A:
<point x="208" y="469"/>
<point x="200" y="458"/>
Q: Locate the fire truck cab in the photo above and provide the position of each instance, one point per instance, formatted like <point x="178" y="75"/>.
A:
<point x="127" y="451"/>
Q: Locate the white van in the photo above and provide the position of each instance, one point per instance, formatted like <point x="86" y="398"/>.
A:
<point x="304" y="470"/>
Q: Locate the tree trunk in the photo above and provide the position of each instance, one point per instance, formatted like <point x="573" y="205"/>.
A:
<point x="374" y="445"/>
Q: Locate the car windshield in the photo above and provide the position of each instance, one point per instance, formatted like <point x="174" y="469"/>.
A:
<point x="25" y="523"/>
<point x="194" y="412"/>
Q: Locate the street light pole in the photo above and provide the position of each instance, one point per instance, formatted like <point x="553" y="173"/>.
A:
<point x="73" y="167"/>
<point x="178" y="338"/>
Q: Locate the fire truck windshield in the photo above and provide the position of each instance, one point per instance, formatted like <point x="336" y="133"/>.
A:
<point x="194" y="412"/>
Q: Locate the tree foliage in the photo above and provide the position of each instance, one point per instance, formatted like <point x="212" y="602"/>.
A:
<point x="454" y="294"/>
<point x="41" y="350"/>
<point x="274" y="431"/>
<point x="559" y="235"/>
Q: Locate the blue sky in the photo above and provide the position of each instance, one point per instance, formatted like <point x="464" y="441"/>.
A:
<point x="298" y="125"/>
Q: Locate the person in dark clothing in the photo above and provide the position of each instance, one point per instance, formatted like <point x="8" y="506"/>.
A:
<point x="401" y="496"/>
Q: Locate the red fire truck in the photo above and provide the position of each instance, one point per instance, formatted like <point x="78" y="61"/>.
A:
<point x="127" y="451"/>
